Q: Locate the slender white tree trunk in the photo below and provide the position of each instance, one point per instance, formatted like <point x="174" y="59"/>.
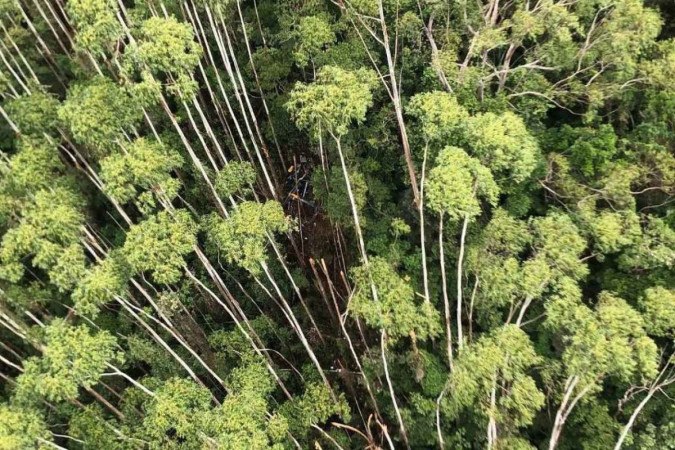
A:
<point x="460" y="262"/>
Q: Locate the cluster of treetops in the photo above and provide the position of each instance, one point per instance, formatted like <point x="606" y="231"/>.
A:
<point x="251" y="224"/>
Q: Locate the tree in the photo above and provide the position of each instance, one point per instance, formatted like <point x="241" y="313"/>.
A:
<point x="335" y="100"/>
<point x="145" y="166"/>
<point x="22" y="428"/>
<point x="502" y="143"/>
<point x="442" y="119"/>
<point x="608" y="342"/>
<point x="242" y="237"/>
<point x="395" y="309"/>
<point x="235" y="178"/>
<point x="49" y="232"/>
<point x="313" y="34"/>
<point x="101" y="284"/>
<point x="72" y="357"/>
<point x="97" y="27"/>
<point x="453" y="188"/>
<point x="455" y="184"/>
<point x="159" y="243"/>
<point x="97" y="112"/>
<point x="490" y="379"/>
<point x="166" y="46"/>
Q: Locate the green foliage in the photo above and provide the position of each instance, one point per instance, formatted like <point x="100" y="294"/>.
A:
<point x="235" y="178"/>
<point x="90" y="426"/>
<point x="145" y="166"/>
<point x="313" y="34"/>
<point x="441" y="117"/>
<point x="242" y="238"/>
<point x="497" y="362"/>
<point x="100" y="285"/>
<point x="72" y="357"/>
<point x="35" y="166"/>
<point x="172" y="415"/>
<point x="97" y="26"/>
<point x="456" y="182"/>
<point x="654" y="249"/>
<point x="331" y="190"/>
<point x="159" y="243"/>
<point x="34" y="114"/>
<point x="314" y="407"/>
<point x="97" y="112"/>
<point x="502" y="143"/>
<point x="167" y="46"/>
<point x="243" y="420"/>
<point x="589" y="149"/>
<point x="49" y="231"/>
<point x="558" y="240"/>
<point x="396" y="309"/>
<point x="22" y="428"/>
<point x="337" y="98"/>
<point x="658" y="306"/>
<point x="612" y="231"/>
<point x="610" y="341"/>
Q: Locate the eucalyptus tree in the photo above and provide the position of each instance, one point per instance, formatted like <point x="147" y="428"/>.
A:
<point x="609" y="341"/>
<point x="454" y="188"/>
<point x="490" y="378"/>
<point x="22" y="428"/>
<point x="150" y="236"/>
<point x="330" y="105"/>
<point x="72" y="358"/>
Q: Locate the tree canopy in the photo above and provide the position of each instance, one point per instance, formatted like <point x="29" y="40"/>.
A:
<point x="380" y="224"/>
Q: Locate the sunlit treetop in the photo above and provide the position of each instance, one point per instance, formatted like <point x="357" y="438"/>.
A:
<point x="654" y="249"/>
<point x="242" y="238"/>
<point x="441" y="117"/>
<point x="456" y="183"/>
<point x="334" y="197"/>
<point x="22" y="428"/>
<point x="98" y="28"/>
<point x="72" y="357"/>
<point x="621" y="39"/>
<point x="397" y="310"/>
<point x="608" y="341"/>
<point x="659" y="69"/>
<point x="235" y="178"/>
<point x="48" y="231"/>
<point x="612" y="230"/>
<point x="173" y="414"/>
<point x="159" y="243"/>
<point x="91" y="426"/>
<point x="314" y="407"/>
<point x="558" y="240"/>
<point x="34" y="114"/>
<point x="36" y="165"/>
<point x="146" y="165"/>
<point x="166" y="47"/>
<point x="243" y="421"/>
<point x="502" y="143"/>
<point x="97" y="112"/>
<point x="313" y="34"/>
<point x="658" y="308"/>
<point x="333" y="102"/>
<point x="100" y="284"/>
<point x="505" y="234"/>
<point x="182" y="415"/>
<point x="499" y="361"/>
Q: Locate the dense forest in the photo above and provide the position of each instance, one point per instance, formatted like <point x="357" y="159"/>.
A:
<point x="337" y="224"/>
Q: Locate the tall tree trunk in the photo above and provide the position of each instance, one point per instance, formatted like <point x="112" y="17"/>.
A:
<point x="460" y="262"/>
